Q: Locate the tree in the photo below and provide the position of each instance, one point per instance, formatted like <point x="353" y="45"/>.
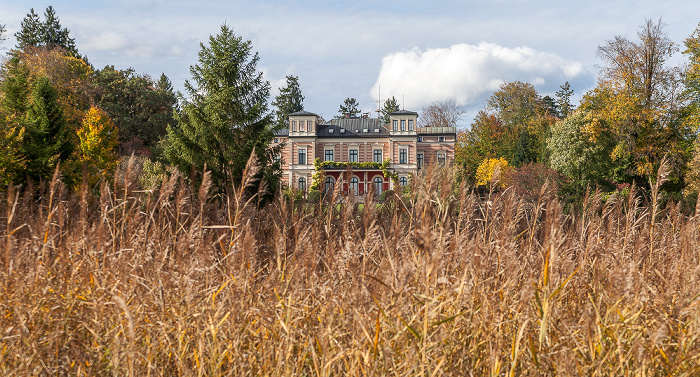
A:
<point x="140" y="107"/>
<point x="580" y="148"/>
<point x="69" y="75"/>
<point x="3" y="30"/>
<point x="563" y="102"/>
<point x="225" y="116"/>
<point x="349" y="108"/>
<point x="493" y="170"/>
<point x="47" y="139"/>
<point x="639" y="68"/>
<point x="390" y="105"/>
<point x="96" y="150"/>
<point x="12" y="163"/>
<point x="47" y="34"/>
<point x="444" y="113"/>
<point x="290" y="100"/>
<point x="640" y="101"/>
<point x="692" y="79"/>
<point x="16" y="89"/>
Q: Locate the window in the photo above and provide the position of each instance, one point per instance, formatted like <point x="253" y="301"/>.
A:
<point x="302" y="156"/>
<point x="328" y="155"/>
<point x="403" y="124"/>
<point x="277" y="140"/>
<point x="294" y="125"/>
<point x="302" y="184"/>
<point x="403" y="181"/>
<point x="277" y="157"/>
<point x="441" y="139"/>
<point x="410" y="124"/>
<point x="378" y="183"/>
<point x="403" y="156"/>
<point x="354" y="185"/>
<point x="420" y="138"/>
<point x="441" y="158"/>
<point x="328" y="187"/>
<point x="378" y="155"/>
<point x="395" y="125"/>
<point x="419" y="160"/>
<point x="353" y="155"/>
<point x="309" y="125"/>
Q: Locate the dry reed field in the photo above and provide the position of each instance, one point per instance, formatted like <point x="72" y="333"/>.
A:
<point x="171" y="281"/>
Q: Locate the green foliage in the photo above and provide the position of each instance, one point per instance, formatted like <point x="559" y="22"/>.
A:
<point x="140" y="107"/>
<point x="563" y="102"/>
<point x="579" y="154"/>
<point x="390" y="105"/>
<point x="349" y="108"/>
<point x="16" y="88"/>
<point x="225" y="117"/>
<point x="48" y="33"/>
<point x="290" y="100"/>
<point x="46" y="140"/>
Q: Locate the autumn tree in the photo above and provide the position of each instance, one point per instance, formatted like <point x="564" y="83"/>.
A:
<point x="98" y="139"/>
<point x="390" y="105"/>
<point x="349" y="108"/>
<point x="70" y="76"/>
<point x="445" y="113"/>
<point x="225" y="117"/>
<point x="290" y="100"/>
<point x="48" y="33"/>
<point x="639" y="100"/>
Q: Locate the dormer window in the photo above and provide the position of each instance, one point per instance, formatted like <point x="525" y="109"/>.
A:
<point x="294" y="126"/>
<point x="309" y="125"/>
<point x="403" y="125"/>
<point x="330" y="130"/>
<point x="410" y="124"/>
<point x="395" y="125"/>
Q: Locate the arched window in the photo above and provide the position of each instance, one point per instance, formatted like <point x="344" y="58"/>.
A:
<point x="354" y="185"/>
<point x="403" y="181"/>
<point x="328" y="187"/>
<point x="378" y="183"/>
<point x="302" y="184"/>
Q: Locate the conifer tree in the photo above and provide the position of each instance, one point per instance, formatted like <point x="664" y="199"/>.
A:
<point x="391" y="105"/>
<point x="46" y="139"/>
<point x="288" y="101"/>
<point x="350" y="107"/>
<point x="225" y="116"/>
<point x="564" y="106"/>
<point x="48" y="33"/>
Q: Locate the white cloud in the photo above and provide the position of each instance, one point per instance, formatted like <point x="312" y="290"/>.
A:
<point x="469" y="73"/>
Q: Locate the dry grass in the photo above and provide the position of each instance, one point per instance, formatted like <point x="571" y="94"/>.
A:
<point x="168" y="283"/>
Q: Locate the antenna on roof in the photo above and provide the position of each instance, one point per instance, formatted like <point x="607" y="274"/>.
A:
<point x="403" y="102"/>
<point x="379" y="102"/>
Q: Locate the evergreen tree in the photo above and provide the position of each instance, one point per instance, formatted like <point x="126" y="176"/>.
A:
<point x="48" y="33"/>
<point x="391" y="105"/>
<point x="16" y="89"/>
<point x="46" y="140"/>
<point x="563" y="102"/>
<point x="288" y="101"/>
<point x="349" y="108"/>
<point x="225" y="116"/>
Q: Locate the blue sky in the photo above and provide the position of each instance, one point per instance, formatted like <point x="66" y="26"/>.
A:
<point x="417" y="51"/>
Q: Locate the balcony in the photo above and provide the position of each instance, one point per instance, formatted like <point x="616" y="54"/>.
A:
<point x="436" y="130"/>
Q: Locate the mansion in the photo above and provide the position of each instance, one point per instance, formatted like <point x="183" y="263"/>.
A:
<point x="381" y="155"/>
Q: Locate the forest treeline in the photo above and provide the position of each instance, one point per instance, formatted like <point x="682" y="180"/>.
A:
<point x="57" y="109"/>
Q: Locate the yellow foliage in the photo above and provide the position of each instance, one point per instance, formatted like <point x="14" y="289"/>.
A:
<point x="493" y="170"/>
<point x="98" y="140"/>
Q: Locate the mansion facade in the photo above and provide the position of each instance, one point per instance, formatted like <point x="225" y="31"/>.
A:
<point x="376" y="151"/>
